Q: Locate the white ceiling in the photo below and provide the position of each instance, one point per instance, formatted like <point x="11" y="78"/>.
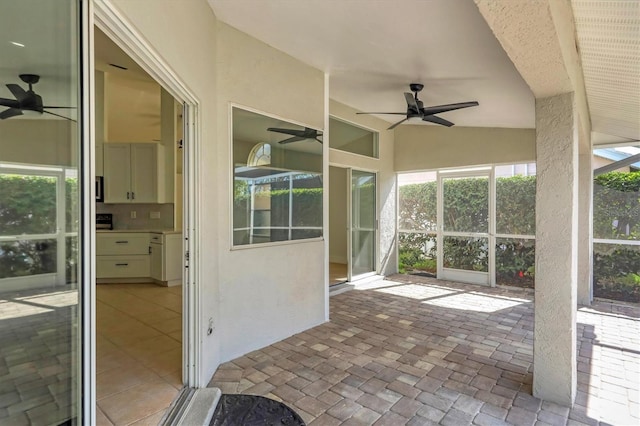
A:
<point x="609" y="43"/>
<point x="374" y="49"/>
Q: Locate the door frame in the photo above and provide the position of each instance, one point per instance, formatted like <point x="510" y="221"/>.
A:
<point x="107" y="17"/>
<point x="348" y="212"/>
<point x="474" y="277"/>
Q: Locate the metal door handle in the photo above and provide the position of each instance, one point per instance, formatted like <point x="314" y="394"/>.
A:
<point x="127" y="195"/>
<point x="122" y="264"/>
<point x="122" y="242"/>
<point x="133" y="195"/>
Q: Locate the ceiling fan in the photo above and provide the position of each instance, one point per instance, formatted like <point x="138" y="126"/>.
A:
<point x="415" y="108"/>
<point x="297" y="135"/>
<point x="26" y="100"/>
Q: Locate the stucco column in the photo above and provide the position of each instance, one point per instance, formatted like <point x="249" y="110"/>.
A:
<point x="554" y="345"/>
<point x="585" y="219"/>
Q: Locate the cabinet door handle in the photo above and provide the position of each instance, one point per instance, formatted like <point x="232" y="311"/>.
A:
<point x="127" y="195"/>
<point x="122" y="264"/>
<point x="149" y="249"/>
<point x="133" y="195"/>
<point x="122" y="242"/>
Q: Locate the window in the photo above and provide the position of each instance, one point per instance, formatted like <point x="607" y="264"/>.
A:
<point x="351" y="138"/>
<point x="277" y="186"/>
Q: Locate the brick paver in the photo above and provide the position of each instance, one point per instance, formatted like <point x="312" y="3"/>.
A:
<point x="419" y="351"/>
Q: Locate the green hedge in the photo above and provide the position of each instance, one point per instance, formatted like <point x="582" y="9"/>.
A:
<point x="466" y="210"/>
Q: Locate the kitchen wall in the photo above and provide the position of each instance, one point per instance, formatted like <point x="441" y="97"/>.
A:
<point x="338" y="215"/>
<point x="122" y="215"/>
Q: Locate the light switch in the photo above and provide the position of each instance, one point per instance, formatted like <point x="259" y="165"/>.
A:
<point x="154" y="215"/>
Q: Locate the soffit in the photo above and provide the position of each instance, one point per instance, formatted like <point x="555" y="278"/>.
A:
<point x="374" y="49"/>
<point x="608" y="34"/>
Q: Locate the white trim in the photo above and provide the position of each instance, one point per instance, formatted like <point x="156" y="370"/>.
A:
<point x="86" y="231"/>
<point x="460" y="275"/>
<point x="617" y="242"/>
<point x="325" y="195"/>
<point x="109" y="19"/>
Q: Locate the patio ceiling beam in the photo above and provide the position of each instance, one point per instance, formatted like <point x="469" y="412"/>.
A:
<point x="618" y="164"/>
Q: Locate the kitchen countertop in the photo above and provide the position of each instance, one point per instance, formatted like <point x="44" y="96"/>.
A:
<point x="149" y="231"/>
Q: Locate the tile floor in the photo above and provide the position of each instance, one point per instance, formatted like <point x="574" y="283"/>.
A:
<point x="138" y="352"/>
<point x="418" y="351"/>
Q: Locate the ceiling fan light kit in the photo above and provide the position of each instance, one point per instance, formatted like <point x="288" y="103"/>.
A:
<point x="27" y="101"/>
<point x="416" y="109"/>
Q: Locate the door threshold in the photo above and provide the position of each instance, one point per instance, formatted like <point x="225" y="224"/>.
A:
<point x="192" y="407"/>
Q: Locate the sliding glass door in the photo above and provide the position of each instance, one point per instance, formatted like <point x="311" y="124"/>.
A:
<point x="363" y="223"/>
<point x="41" y="165"/>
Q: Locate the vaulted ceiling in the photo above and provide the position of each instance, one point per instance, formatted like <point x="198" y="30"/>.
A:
<point x="373" y="49"/>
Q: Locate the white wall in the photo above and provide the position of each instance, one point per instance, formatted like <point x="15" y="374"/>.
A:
<point x="384" y="166"/>
<point x="338" y="215"/>
<point x="420" y="147"/>
<point x="266" y="293"/>
<point x="184" y="35"/>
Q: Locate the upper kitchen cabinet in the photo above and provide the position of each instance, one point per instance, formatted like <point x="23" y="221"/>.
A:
<point x="134" y="173"/>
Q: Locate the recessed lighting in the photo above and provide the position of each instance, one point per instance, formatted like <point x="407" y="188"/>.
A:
<point x="15" y="43"/>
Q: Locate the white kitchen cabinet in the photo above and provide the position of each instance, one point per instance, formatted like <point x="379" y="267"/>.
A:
<point x="134" y="173"/>
<point x="166" y="258"/>
<point x="122" y="255"/>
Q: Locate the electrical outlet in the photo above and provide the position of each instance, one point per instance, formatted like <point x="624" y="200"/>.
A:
<point x="133" y="214"/>
<point x="154" y="215"/>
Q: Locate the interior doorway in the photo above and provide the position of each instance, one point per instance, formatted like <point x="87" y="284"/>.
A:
<point x="352" y="224"/>
<point x="139" y="240"/>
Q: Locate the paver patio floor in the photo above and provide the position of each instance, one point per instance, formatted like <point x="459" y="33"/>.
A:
<point x="418" y="351"/>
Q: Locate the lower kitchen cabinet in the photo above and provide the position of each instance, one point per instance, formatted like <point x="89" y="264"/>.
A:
<point x="139" y="257"/>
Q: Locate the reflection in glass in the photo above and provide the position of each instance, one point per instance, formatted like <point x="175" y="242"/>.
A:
<point x="466" y="253"/>
<point x="354" y="139"/>
<point x="466" y="204"/>
<point x="277" y="192"/>
<point x="39" y="216"/>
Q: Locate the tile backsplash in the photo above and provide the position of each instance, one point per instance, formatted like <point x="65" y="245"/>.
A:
<point x="122" y="215"/>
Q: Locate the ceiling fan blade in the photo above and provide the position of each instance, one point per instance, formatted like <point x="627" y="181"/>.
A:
<point x="286" y="131"/>
<point x="18" y="92"/>
<point x="393" y="126"/>
<point x="394" y="113"/>
<point x="437" y="120"/>
<point x="293" y="139"/>
<point x="58" y="115"/>
<point x="411" y="102"/>
<point x="449" y="107"/>
<point x="58" y="107"/>
<point x="11" y="103"/>
<point x="8" y="113"/>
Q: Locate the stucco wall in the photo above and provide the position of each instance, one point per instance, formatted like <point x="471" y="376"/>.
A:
<point x="420" y="147"/>
<point x="158" y="21"/>
<point x="384" y="166"/>
<point x="266" y="293"/>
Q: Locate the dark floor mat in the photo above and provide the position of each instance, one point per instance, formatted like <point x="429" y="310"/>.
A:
<point x="253" y="410"/>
